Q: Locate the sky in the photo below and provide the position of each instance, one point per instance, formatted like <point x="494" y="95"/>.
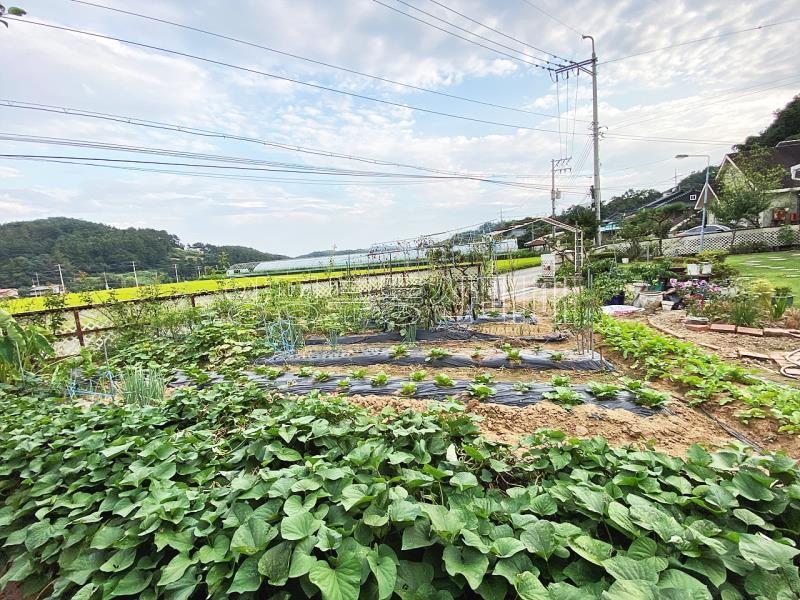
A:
<point x="697" y="98"/>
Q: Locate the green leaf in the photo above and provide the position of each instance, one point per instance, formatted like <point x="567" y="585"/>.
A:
<point x="247" y="578"/>
<point x="38" y="534"/>
<point x="418" y="535"/>
<point x="507" y="546"/>
<point x="383" y="567"/>
<point x="252" y="536"/>
<point x="131" y="584"/>
<point x="302" y="560"/>
<point x="341" y="583"/>
<point x="493" y="588"/>
<point x="623" y="567"/>
<point x="215" y="553"/>
<point x="544" y="505"/>
<point x="627" y="589"/>
<point x="765" y="552"/>
<point x="467" y="562"/>
<point x="749" y="485"/>
<point x="299" y="525"/>
<point x="511" y="567"/>
<point x="119" y="561"/>
<point x="106" y="536"/>
<point x="355" y="494"/>
<point x="529" y="587"/>
<point x="687" y="586"/>
<point x="539" y="538"/>
<point x="274" y="564"/>
<point x="642" y="547"/>
<point x="464" y="481"/>
<point x="595" y="551"/>
<point x="174" y="569"/>
<point x="592" y="500"/>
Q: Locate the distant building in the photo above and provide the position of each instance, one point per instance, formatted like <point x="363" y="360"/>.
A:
<point x="676" y="195"/>
<point x="6" y="293"/>
<point x="785" y="209"/>
<point x="45" y="290"/>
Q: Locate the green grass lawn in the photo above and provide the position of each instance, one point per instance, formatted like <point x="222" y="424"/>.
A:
<point x="779" y="268"/>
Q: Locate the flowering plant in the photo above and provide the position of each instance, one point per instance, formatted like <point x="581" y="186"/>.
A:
<point x="697" y="294"/>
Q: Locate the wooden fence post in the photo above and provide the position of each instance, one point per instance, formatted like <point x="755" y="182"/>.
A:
<point x="78" y="329"/>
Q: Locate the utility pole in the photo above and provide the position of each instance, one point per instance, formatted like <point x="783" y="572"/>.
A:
<point x="596" y="136"/>
<point x="556" y="166"/>
<point x="61" y="276"/>
<point x="37" y="279"/>
<point x="135" y="277"/>
<point x="198" y="271"/>
<point x="176" y="272"/>
<point x="105" y="278"/>
<point x="590" y="67"/>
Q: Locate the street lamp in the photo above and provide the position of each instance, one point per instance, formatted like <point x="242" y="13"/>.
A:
<point x="705" y="193"/>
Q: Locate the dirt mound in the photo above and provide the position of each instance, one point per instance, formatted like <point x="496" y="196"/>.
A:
<point x="671" y="433"/>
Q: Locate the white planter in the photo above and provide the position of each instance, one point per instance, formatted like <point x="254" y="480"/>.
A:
<point x="667" y="305"/>
<point x="692" y="269"/>
<point x="705" y="268"/>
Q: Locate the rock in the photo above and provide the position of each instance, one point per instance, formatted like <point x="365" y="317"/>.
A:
<point x="756" y="331"/>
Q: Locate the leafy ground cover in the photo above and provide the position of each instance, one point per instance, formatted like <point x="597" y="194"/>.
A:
<point x="227" y="491"/>
<point x="704" y="376"/>
<point x="779" y="268"/>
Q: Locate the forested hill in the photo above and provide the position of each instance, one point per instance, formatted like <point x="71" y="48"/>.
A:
<point x="82" y="247"/>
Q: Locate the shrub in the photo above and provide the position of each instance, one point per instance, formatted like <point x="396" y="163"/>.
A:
<point x="787" y="236"/>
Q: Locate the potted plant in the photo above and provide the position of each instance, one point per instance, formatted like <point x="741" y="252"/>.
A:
<point x="783" y="295"/>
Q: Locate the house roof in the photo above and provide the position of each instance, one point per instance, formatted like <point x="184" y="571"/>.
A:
<point x="786" y="154"/>
<point x="671" y="196"/>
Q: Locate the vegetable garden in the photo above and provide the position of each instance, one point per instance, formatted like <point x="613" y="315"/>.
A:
<point x="337" y="443"/>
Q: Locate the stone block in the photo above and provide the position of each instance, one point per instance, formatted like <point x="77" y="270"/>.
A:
<point x="756" y="331"/>
<point x="723" y="328"/>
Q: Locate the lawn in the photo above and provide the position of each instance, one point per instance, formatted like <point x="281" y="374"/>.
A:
<point x="779" y="268"/>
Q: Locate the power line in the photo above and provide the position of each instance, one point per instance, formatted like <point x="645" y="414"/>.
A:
<point x="233" y="159"/>
<point x="310" y="60"/>
<point x="506" y="54"/>
<point x="496" y="30"/>
<point x="721" y="98"/>
<point x="556" y="19"/>
<point x="282" y="78"/>
<point x="698" y="40"/>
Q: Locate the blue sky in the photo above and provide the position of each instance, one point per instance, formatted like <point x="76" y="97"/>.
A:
<point x="719" y="90"/>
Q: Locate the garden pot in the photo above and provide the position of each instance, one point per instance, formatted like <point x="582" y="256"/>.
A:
<point x="705" y="268"/>
<point x="667" y="305"/>
<point x="650" y="301"/>
<point x="693" y="269"/>
<point x="638" y="286"/>
<point x="789" y="300"/>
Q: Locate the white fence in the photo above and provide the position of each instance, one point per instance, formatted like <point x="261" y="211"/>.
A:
<point x="682" y="246"/>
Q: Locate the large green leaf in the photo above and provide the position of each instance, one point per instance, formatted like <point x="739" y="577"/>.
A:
<point x="174" y="569"/>
<point x="383" y="567"/>
<point x="339" y="583"/>
<point x="467" y="562"/>
<point x="299" y="525"/>
<point x="274" y="564"/>
<point x="252" y="536"/>
<point x="766" y="552"/>
<point x="131" y="584"/>
<point x="595" y="551"/>
<point x="247" y="578"/>
<point x="539" y="538"/>
<point x="623" y="567"/>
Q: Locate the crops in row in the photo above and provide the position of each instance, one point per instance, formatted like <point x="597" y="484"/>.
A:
<point x="702" y="375"/>
<point x="232" y="491"/>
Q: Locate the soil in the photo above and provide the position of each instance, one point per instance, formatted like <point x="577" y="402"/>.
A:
<point x="670" y="433"/>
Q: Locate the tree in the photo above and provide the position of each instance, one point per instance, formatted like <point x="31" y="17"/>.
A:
<point x="583" y="218"/>
<point x="629" y="201"/>
<point x="745" y="194"/>
<point x="786" y="125"/>
<point x="635" y="228"/>
<point x="662" y="220"/>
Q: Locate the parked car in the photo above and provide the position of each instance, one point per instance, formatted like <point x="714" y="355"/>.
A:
<point x="699" y="229"/>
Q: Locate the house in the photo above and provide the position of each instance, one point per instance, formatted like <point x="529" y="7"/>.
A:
<point x="676" y="195"/>
<point x="785" y="209"/>
<point x="6" y="293"/>
<point x="45" y="290"/>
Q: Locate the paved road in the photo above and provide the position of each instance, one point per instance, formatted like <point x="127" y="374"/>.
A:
<point x="519" y="284"/>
